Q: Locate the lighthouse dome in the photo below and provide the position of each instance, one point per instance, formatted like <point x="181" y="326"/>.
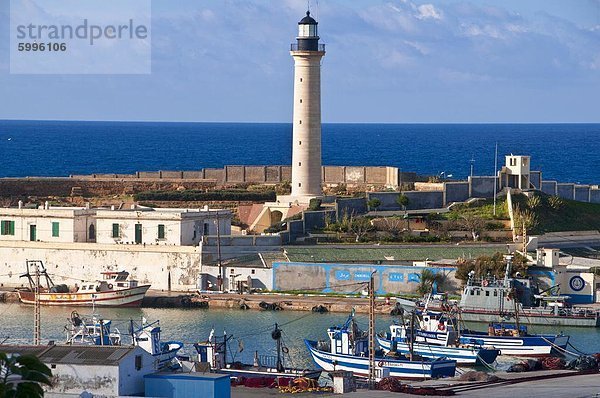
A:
<point x="307" y="20"/>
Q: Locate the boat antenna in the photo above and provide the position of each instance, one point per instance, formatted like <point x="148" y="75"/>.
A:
<point x="372" y="331"/>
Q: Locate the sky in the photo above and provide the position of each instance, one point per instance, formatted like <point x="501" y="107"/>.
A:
<point x="387" y="61"/>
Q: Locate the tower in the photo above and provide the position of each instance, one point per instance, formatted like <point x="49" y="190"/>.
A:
<point x="306" y="142"/>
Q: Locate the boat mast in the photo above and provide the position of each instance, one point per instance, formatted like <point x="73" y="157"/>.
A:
<point x="372" y="330"/>
<point x="277" y="336"/>
<point x="37" y="319"/>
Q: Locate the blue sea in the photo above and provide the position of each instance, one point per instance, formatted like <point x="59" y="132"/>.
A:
<point x="564" y="152"/>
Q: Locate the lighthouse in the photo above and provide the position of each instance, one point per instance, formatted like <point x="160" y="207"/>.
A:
<point x="306" y="141"/>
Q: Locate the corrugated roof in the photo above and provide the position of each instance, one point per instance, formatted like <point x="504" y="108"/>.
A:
<point x="73" y="354"/>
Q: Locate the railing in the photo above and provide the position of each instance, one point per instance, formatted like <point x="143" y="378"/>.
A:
<point x="294" y="47"/>
<point x="268" y="361"/>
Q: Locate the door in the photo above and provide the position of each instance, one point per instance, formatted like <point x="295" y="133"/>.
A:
<point x="138" y="233"/>
<point x="32" y="232"/>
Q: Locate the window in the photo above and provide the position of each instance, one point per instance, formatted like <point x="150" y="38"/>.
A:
<point x="300" y="80"/>
<point x="487" y="293"/>
<point x="205" y="228"/>
<point x="300" y="121"/>
<point x="299" y="163"/>
<point x="161" y="231"/>
<point x="495" y="293"/>
<point x="299" y="142"/>
<point x="299" y="184"/>
<point x="232" y="271"/>
<point x="55" y="229"/>
<point x="478" y="292"/>
<point x="253" y="272"/>
<point x="472" y="292"/>
<point x="116" y="231"/>
<point x="300" y="100"/>
<point x="138" y="362"/>
<point x="7" y="228"/>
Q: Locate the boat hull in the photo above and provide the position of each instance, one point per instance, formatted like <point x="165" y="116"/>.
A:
<point x="402" y="369"/>
<point x="523" y="346"/>
<point x="532" y="318"/>
<point x="165" y="357"/>
<point x="251" y="372"/>
<point x="463" y="356"/>
<point x="131" y="297"/>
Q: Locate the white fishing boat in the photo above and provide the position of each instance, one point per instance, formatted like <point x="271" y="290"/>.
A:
<point x="95" y="331"/>
<point x="115" y="289"/>
<point x="401" y="339"/>
<point x="348" y="349"/>
<point x="147" y="336"/>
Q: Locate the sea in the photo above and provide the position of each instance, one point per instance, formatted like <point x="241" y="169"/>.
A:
<point x="563" y="152"/>
<point x="251" y="330"/>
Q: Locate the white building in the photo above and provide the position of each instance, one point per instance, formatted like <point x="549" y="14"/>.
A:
<point x="108" y="371"/>
<point x="147" y="226"/>
<point x="48" y="224"/>
<point x="140" y="225"/>
<point x="516" y="172"/>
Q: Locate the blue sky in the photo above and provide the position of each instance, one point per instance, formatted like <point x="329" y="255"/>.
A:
<point x="398" y="61"/>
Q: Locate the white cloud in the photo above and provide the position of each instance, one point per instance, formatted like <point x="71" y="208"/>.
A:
<point x="428" y="11"/>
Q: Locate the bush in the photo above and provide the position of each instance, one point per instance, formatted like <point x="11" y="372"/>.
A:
<point x="201" y="196"/>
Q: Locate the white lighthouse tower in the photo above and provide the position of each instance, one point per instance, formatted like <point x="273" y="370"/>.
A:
<point x="306" y="142"/>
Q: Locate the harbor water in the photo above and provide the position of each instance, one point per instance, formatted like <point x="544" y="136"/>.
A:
<point x="251" y="329"/>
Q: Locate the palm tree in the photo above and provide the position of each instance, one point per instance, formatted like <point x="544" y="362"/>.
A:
<point x="427" y="280"/>
<point x="22" y="376"/>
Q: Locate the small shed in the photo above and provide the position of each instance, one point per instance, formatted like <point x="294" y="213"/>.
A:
<point x="183" y="385"/>
<point x="101" y="370"/>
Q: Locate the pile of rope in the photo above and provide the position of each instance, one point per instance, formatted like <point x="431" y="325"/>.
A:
<point x="525" y="366"/>
<point x="553" y="363"/>
<point x="393" y="385"/>
<point x="255" y="382"/>
<point x="303" y="384"/>
<point x="270" y="306"/>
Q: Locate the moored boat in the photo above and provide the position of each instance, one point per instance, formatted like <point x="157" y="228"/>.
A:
<point x="215" y="351"/>
<point x="348" y="349"/>
<point x="398" y="339"/>
<point x="147" y="336"/>
<point x="115" y="289"/>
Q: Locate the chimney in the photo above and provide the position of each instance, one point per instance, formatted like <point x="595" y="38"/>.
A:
<point x="87" y="205"/>
<point x="46" y="205"/>
<point x="20" y="204"/>
<point x="112" y="207"/>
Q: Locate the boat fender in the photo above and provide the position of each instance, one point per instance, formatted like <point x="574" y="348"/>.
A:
<point x="485" y="283"/>
<point x="110" y="286"/>
<point x="441" y="327"/>
<point x="285" y="350"/>
<point x="380" y="364"/>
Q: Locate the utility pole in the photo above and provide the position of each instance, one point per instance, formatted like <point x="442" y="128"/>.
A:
<point x="222" y="287"/>
<point x="372" y="331"/>
<point x="37" y="319"/>
<point x="495" y="176"/>
<point x="472" y="161"/>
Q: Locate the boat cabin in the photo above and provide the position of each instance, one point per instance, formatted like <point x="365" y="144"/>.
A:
<point x="348" y="341"/>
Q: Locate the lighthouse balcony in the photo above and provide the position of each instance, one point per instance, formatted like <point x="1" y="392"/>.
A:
<point x="305" y="47"/>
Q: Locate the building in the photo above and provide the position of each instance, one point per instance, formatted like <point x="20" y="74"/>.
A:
<point x="147" y="226"/>
<point x="108" y="371"/>
<point x="138" y="225"/>
<point x="183" y="385"/>
<point x="306" y="141"/>
<point x="48" y="224"/>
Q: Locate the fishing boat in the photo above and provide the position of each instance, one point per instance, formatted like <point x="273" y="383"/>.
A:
<point x="215" y="350"/>
<point x="147" y="336"/>
<point x="404" y="339"/>
<point x="95" y="331"/>
<point x="115" y="289"/>
<point x="437" y="328"/>
<point x="348" y="349"/>
<point x="490" y="299"/>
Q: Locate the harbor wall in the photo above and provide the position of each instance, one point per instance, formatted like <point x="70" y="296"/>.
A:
<point x="352" y="278"/>
<point x="159" y="266"/>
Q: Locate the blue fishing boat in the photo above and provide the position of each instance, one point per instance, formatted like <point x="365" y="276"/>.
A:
<point x="348" y="349"/>
<point x="399" y="339"/>
<point x="147" y="336"/>
<point x="437" y="328"/>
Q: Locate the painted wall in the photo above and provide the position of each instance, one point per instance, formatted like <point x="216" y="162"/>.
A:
<point x="482" y="187"/>
<point x="549" y="187"/>
<point x="565" y="191"/>
<point x="72" y="224"/>
<point x="350" y="278"/>
<point x="456" y="192"/>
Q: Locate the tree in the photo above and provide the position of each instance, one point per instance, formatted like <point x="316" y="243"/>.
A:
<point x="525" y="218"/>
<point x="555" y="203"/>
<point x="428" y="279"/>
<point x="393" y="225"/>
<point x="402" y="201"/>
<point x="360" y="227"/>
<point x="22" y="376"/>
<point x="472" y="223"/>
<point x="494" y="265"/>
<point x="374" y="203"/>
<point x="314" y="204"/>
